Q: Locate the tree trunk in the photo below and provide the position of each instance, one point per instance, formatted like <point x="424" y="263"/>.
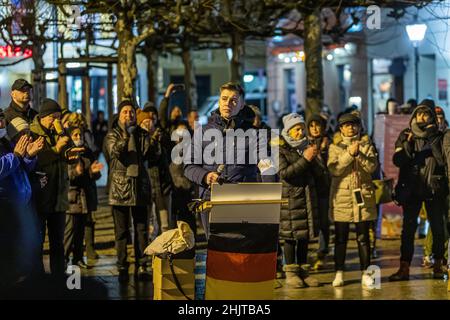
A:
<point x="313" y="63"/>
<point x="152" y="70"/>
<point x="237" y="64"/>
<point x="190" y="82"/>
<point x="62" y="85"/>
<point x="126" y="65"/>
<point x="38" y="75"/>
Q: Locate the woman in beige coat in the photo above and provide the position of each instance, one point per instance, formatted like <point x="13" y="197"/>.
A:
<point x="352" y="159"/>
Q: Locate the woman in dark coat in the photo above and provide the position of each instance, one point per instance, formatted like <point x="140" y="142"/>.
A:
<point x="317" y="135"/>
<point x="297" y="163"/>
<point x="82" y="197"/>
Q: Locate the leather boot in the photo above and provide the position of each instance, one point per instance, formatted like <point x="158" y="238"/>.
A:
<point x="89" y="238"/>
<point x="293" y="281"/>
<point x="438" y="269"/>
<point x="402" y="273"/>
<point x="310" y="281"/>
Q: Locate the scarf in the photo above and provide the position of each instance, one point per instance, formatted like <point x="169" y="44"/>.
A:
<point x="419" y="130"/>
<point x="132" y="156"/>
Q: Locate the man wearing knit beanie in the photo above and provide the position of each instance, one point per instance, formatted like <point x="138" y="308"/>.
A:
<point x="52" y="197"/>
<point x="126" y="148"/>
<point x="49" y="106"/>
<point x="419" y="154"/>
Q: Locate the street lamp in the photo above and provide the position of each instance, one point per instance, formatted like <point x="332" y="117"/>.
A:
<point x="416" y="33"/>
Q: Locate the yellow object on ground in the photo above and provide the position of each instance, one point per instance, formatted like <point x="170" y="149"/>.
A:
<point x="164" y="285"/>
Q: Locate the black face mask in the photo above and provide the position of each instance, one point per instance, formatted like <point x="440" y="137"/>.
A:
<point x="422" y="125"/>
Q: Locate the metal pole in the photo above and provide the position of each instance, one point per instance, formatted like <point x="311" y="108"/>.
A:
<point x="416" y="69"/>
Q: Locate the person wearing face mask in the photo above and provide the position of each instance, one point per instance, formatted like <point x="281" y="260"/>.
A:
<point x="421" y="158"/>
<point x="82" y="198"/>
<point x="232" y="114"/>
<point x="19" y="226"/>
<point x="127" y="146"/>
<point x="20" y="102"/>
<point x="351" y="161"/>
<point x="299" y="220"/>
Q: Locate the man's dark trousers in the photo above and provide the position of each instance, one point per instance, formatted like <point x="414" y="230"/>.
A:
<point x="121" y="224"/>
<point x="436" y="211"/>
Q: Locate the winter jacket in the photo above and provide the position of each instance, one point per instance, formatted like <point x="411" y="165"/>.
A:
<point x="53" y="196"/>
<point x="422" y="164"/>
<point x="299" y="221"/>
<point x="14" y="111"/>
<point x="19" y="227"/>
<point x="232" y="172"/>
<point x="345" y="172"/>
<point x="14" y="184"/>
<point x="82" y="189"/>
<point x="126" y="189"/>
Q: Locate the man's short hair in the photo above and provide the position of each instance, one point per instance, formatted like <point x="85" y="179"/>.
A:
<point x="234" y="86"/>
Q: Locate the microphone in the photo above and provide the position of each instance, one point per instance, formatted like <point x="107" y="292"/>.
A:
<point x="220" y="170"/>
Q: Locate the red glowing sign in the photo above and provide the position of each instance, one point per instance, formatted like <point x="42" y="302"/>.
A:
<point x="14" y="52"/>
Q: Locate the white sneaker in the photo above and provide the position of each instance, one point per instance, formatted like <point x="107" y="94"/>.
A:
<point x="339" y="279"/>
<point x="367" y="281"/>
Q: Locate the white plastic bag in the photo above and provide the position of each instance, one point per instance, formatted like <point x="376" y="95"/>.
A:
<point x="172" y="241"/>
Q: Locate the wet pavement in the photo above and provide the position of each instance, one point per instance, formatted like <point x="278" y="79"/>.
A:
<point x="420" y="286"/>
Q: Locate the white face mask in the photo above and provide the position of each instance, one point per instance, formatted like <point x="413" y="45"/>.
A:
<point x="2" y="132"/>
<point x="78" y="143"/>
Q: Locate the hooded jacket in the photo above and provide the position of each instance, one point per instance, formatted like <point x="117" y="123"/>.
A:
<point x="421" y="160"/>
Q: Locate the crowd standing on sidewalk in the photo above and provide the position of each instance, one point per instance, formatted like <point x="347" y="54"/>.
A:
<point x="49" y="165"/>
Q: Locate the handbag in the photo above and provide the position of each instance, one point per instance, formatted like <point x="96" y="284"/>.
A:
<point x="383" y="190"/>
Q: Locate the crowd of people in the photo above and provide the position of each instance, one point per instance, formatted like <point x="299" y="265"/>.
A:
<point x="49" y="165"/>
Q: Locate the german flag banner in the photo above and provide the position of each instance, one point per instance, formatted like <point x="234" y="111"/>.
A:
<point x="242" y="247"/>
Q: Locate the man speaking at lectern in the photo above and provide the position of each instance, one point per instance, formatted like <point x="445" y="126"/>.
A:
<point x="231" y="116"/>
